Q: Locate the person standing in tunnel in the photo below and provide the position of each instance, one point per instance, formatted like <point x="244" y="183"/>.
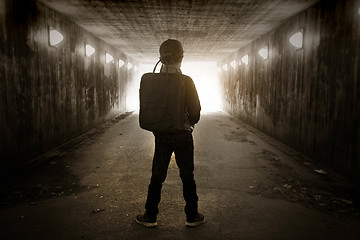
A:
<point x="173" y="134"/>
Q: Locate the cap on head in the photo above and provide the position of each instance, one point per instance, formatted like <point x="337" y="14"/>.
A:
<point x="171" y="51"/>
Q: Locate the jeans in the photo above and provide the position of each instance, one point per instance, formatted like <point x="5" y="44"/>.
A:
<point x="182" y="145"/>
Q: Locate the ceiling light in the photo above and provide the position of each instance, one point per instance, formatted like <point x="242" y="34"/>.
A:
<point x="225" y="67"/>
<point x="129" y="66"/>
<point x="264" y="53"/>
<point x="108" y="58"/>
<point x="297" y="39"/>
<point x="55" y="37"/>
<point x="121" y="63"/>
<point x="89" y="50"/>
<point x="233" y="64"/>
<point x="245" y="59"/>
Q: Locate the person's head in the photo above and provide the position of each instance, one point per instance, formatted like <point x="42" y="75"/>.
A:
<point x="171" y="52"/>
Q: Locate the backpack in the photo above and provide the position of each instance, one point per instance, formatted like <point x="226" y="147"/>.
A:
<point x="162" y="102"/>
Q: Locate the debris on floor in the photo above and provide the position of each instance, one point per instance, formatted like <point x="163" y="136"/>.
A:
<point x="320" y="171"/>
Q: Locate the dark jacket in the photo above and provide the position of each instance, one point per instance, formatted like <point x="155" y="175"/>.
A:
<point x="192" y="103"/>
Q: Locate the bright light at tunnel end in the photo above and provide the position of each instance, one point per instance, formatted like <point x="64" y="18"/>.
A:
<point x="204" y="75"/>
<point x="206" y="78"/>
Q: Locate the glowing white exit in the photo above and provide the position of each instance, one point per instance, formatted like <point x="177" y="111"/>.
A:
<point x="204" y="74"/>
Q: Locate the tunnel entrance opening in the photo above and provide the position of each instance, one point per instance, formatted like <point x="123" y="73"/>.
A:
<point x="206" y="80"/>
<point x="205" y="77"/>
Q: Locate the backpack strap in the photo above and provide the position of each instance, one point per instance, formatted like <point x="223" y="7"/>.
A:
<point x="156" y="66"/>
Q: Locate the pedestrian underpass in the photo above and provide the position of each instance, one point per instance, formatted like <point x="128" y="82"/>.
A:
<point x="284" y="73"/>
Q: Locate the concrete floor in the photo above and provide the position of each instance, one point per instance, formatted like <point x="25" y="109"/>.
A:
<point x="249" y="185"/>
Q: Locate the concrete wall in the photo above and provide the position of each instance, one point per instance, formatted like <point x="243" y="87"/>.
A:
<point x="308" y="98"/>
<point x="49" y="95"/>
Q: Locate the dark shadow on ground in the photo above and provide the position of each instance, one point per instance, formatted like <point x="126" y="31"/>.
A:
<point x="49" y="175"/>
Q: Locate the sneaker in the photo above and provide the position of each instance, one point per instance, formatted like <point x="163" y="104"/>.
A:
<point x="146" y="221"/>
<point x="197" y="220"/>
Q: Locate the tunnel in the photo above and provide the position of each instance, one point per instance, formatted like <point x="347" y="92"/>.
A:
<point x="278" y="142"/>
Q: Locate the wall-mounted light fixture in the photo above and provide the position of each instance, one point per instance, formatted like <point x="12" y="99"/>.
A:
<point x="225" y="67"/>
<point x="120" y="63"/>
<point x="89" y="50"/>
<point x="297" y="39"/>
<point x="245" y="59"/>
<point x="264" y="53"/>
<point x="129" y="65"/>
<point x="233" y="64"/>
<point x="108" y="58"/>
<point x="359" y="11"/>
<point x="55" y="37"/>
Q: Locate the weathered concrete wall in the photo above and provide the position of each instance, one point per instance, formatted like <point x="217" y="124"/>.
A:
<point x="49" y="95"/>
<point x="308" y="98"/>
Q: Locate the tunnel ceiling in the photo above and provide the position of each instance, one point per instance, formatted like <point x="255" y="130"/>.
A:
<point x="209" y="30"/>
